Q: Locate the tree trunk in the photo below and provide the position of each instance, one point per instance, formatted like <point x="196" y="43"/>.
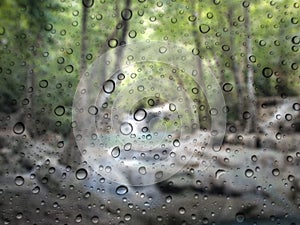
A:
<point x="250" y="122"/>
<point x="234" y="68"/>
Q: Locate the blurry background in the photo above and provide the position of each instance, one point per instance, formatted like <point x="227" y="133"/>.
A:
<point x="251" y="46"/>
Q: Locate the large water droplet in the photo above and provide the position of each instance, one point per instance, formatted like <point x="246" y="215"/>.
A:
<point x="81" y="174"/>
<point x="121" y="190"/>
<point x="19" y="128"/>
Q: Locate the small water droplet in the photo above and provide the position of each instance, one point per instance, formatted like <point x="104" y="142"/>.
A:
<point x="181" y="210"/>
<point x="36" y="190"/>
<point x="296" y="107"/>
<point x="176" y="143"/>
<point x="275" y="172"/>
<point x="93" y="110"/>
<point x="227" y="87"/>
<point x="126" y="14"/>
<point x="19" y="128"/>
<point x="142" y="170"/>
<point x="69" y="68"/>
<point x="43" y="83"/>
<point x="169" y="199"/>
<point x="140" y="114"/>
<point x="172" y="107"/>
<point x="81" y="174"/>
<point x="204" y="28"/>
<point x="112" y="43"/>
<point x="126" y="128"/>
<point x="121" y="190"/>
<point x="59" y="110"/>
<point x="240" y="217"/>
<point x="115" y="152"/>
<point x="19" y="180"/>
<point x="267" y="72"/>
<point x="78" y="218"/>
<point x="219" y="173"/>
<point x="249" y="173"/>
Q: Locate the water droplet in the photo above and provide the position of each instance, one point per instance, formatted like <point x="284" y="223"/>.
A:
<point x="142" y="170"/>
<point x="60" y="144"/>
<point x="140" y="114"/>
<point x="36" y="190"/>
<point x="19" y="128"/>
<point x="60" y="60"/>
<point x="109" y="86"/>
<point x="296" y="40"/>
<point x="246" y="115"/>
<point x="278" y="136"/>
<point x="219" y="173"/>
<point x="81" y="174"/>
<point x="204" y="28"/>
<point x="43" y="83"/>
<point x="254" y="158"/>
<point x="267" y="72"/>
<point x="162" y="50"/>
<point x="19" y="180"/>
<point x="240" y="217"/>
<point x="288" y="117"/>
<point x="93" y="110"/>
<point x="126" y="14"/>
<point x="127" y="217"/>
<point x="249" y="173"/>
<point x="227" y="87"/>
<point x="275" y="172"/>
<point x="88" y="3"/>
<point x="159" y="174"/>
<point x="95" y="219"/>
<point x="252" y="58"/>
<point x="115" y="152"/>
<point x="121" y="190"/>
<point x="172" y="107"/>
<point x="181" y="210"/>
<point x="169" y="199"/>
<point x="59" y="110"/>
<point x="69" y="68"/>
<point x="126" y="128"/>
<point x="112" y="43"/>
<point x="291" y="178"/>
<point x="127" y="146"/>
<point x="296" y="106"/>
<point x="78" y="218"/>
<point x="176" y="143"/>
<point x="132" y="34"/>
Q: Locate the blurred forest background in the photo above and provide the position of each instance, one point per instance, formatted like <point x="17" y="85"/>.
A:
<point x="253" y="48"/>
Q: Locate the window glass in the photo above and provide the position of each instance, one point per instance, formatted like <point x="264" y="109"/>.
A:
<point x="149" y="112"/>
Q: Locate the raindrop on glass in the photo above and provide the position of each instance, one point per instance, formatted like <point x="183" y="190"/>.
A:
<point x="140" y="114"/>
<point x="109" y="86"/>
<point x="126" y="128"/>
<point x="19" y="128"/>
<point x="121" y="190"/>
<point x="115" y="152"/>
<point x="19" y="181"/>
<point x="81" y="174"/>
